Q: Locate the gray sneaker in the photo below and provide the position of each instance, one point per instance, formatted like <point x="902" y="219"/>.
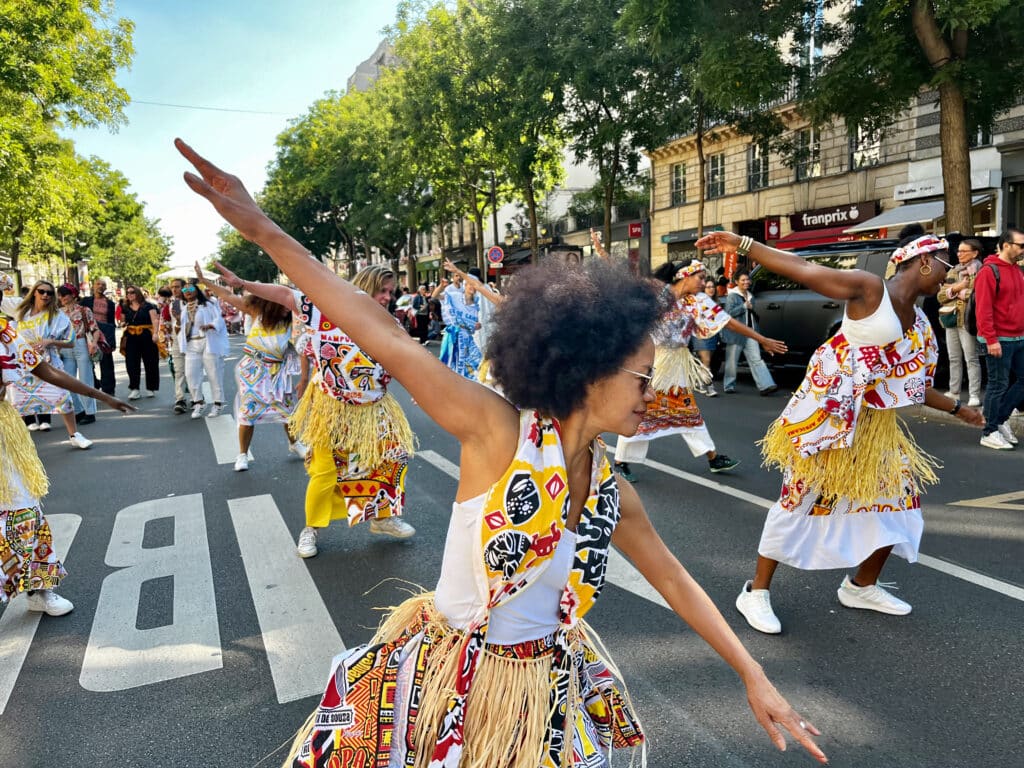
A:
<point x="392" y="526"/>
<point x="307" y="543"/>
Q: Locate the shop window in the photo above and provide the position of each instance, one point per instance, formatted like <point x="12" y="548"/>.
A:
<point x="716" y="176"/>
<point x="757" y="167"/>
<point x="980" y="138"/>
<point x="678" y="184"/>
<point x="808" y="155"/>
<point x="865" y="148"/>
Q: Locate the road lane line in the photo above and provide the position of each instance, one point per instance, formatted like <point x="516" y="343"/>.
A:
<point x="299" y="635"/>
<point x="119" y="655"/>
<point x="223" y="432"/>
<point x="18" y="625"/>
<point x="620" y="572"/>
<point x="943" y="566"/>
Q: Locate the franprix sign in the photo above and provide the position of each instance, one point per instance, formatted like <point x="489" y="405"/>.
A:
<point x="837" y="216"/>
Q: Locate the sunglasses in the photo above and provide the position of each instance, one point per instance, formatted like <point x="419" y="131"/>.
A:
<point x="646" y="379"/>
<point x="942" y="261"/>
<point x="44" y="292"/>
<point x="188" y="290"/>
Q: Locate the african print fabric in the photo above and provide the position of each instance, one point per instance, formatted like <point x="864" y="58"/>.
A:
<point x="22" y="477"/>
<point x="32" y="395"/>
<point x="852" y="474"/>
<point x="425" y="694"/>
<point x="458" y="346"/>
<point x="27" y="558"/>
<point x="266" y="392"/>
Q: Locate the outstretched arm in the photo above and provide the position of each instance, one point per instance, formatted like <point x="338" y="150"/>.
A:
<point x="862" y="290"/>
<point x="771" y="346"/>
<point x="222" y="293"/>
<point x="480" y="413"/>
<point x="51" y="375"/>
<point x="481" y="287"/>
<point x="595" y="241"/>
<point x="636" y="538"/>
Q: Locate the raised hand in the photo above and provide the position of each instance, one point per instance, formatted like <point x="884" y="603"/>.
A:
<point x="718" y="242"/>
<point x="199" y="274"/>
<point x="229" y="277"/>
<point x="595" y="241"/>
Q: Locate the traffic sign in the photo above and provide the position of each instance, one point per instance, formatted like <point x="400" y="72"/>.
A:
<point x="495" y="255"/>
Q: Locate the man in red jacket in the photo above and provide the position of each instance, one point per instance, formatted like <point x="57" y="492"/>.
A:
<point x="999" y="308"/>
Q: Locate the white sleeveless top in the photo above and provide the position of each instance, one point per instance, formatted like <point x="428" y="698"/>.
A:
<point x="880" y="327"/>
<point x="461" y="594"/>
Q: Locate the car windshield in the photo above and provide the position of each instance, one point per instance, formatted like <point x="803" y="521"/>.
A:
<point x="769" y="281"/>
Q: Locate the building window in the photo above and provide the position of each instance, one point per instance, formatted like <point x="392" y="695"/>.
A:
<point x="865" y="148"/>
<point x="678" y="184"/>
<point x="808" y="155"/>
<point x="757" y="167"/>
<point x="716" y="176"/>
<point x="980" y="138"/>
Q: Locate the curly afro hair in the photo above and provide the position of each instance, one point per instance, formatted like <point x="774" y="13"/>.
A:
<point x="561" y="328"/>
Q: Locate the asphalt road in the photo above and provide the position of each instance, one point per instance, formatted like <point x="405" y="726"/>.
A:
<point x="199" y="638"/>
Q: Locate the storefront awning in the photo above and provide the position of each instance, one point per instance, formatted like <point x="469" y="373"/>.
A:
<point x="814" y="237"/>
<point x="918" y="213"/>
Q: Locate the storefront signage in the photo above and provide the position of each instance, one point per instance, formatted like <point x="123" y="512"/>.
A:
<point x="836" y="216"/>
<point x="932" y="187"/>
<point x="636" y="229"/>
<point x="688" y="235"/>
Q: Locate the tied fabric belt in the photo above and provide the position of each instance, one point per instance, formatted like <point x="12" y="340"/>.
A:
<point x="137" y="330"/>
<point x="263" y="357"/>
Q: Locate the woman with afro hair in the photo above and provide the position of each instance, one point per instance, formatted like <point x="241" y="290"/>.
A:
<point x="851" y="472"/>
<point x="475" y="673"/>
<point x="689" y="312"/>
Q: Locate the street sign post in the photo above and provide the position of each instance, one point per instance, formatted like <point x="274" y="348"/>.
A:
<point x="495" y="255"/>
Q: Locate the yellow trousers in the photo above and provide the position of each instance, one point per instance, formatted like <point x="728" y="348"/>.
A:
<point x="324" y="500"/>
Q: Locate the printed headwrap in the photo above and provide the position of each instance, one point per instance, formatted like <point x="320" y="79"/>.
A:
<point x="923" y="244"/>
<point x="692" y="268"/>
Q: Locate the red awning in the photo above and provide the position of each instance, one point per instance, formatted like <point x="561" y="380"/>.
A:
<point x="814" y="237"/>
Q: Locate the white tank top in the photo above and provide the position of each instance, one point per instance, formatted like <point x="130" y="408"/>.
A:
<point x="462" y="594"/>
<point x="880" y="327"/>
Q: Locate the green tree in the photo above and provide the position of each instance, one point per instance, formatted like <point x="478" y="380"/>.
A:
<point x="882" y="53"/>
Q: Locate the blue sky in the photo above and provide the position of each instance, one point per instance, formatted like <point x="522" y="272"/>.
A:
<point x="262" y="55"/>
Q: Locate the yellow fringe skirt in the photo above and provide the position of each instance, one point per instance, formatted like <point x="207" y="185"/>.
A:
<point x="18" y="458"/>
<point x="873" y="467"/>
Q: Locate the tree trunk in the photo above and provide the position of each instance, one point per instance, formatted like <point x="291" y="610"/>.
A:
<point x="531" y="209"/>
<point x="701" y="167"/>
<point x="16" y="244"/>
<point x="956" y="155"/>
<point x="411" y="277"/>
<point x="609" y="198"/>
<point x="478" y="222"/>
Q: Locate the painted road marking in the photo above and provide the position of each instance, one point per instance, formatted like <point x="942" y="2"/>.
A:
<point x="1000" y="501"/>
<point x="950" y="569"/>
<point x="120" y="656"/>
<point x="620" y="571"/>
<point x="299" y="635"/>
<point x="18" y="625"/>
<point x="223" y="432"/>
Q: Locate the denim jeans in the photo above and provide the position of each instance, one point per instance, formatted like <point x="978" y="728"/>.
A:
<point x="752" y="351"/>
<point x="77" y="363"/>
<point x="1000" y="397"/>
<point x="962" y="347"/>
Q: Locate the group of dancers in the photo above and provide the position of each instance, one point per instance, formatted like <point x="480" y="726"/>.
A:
<point x="472" y="674"/>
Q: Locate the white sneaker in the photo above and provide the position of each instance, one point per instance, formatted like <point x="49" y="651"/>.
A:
<point x="49" y="602"/>
<point x="307" y="542"/>
<point x="33" y="426"/>
<point x="150" y="393"/>
<point x="79" y="441"/>
<point x="873" y="598"/>
<point x="299" y="449"/>
<point x="133" y="394"/>
<point x="710" y="390"/>
<point x="975" y="402"/>
<point x="1005" y="431"/>
<point x="756" y="607"/>
<point x="997" y="441"/>
<point x="392" y="526"/>
<point x="44" y="426"/>
<point x="197" y="410"/>
<point x="242" y="462"/>
<point x="215" y="411"/>
<point x="953" y="395"/>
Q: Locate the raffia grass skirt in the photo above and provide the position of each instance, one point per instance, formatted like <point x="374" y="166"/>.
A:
<point x="872" y="467"/>
<point x="507" y="710"/>
<point x="18" y="458"/>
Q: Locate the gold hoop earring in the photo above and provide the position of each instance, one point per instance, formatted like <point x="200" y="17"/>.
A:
<point x="926" y="269"/>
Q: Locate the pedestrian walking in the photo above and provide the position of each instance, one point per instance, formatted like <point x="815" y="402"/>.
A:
<point x="852" y="472"/>
<point x="961" y="344"/>
<point x="999" y="299"/>
<point x="138" y="343"/>
<point x="468" y="675"/>
<point x="705" y="348"/>
<point x="103" y="310"/>
<point x="460" y="309"/>
<point x="739" y="303"/>
<point x="264" y="374"/>
<point x="170" y="329"/>
<point x="203" y="341"/>
<point x="78" y="359"/>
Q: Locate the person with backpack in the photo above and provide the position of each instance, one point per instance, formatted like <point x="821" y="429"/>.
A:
<point x="999" y="312"/>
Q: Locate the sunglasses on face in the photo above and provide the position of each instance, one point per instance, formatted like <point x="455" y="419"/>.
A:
<point x="646" y="379"/>
<point x="946" y="264"/>
<point x="188" y="290"/>
<point x="44" y="292"/>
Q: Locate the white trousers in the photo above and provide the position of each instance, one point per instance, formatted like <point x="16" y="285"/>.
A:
<point x="198" y="360"/>
<point x="632" y="450"/>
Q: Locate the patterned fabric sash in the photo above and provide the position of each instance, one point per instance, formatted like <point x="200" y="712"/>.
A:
<point x="688" y="316"/>
<point x="262" y="356"/>
<point x="524" y="516"/>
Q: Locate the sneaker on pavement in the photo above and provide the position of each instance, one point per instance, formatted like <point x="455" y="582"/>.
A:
<point x="299" y="449"/>
<point x="1006" y="432"/>
<point x="873" y="598"/>
<point x="150" y="393"/>
<point x="975" y="402"/>
<point x="392" y="526"/>
<point x="33" y="427"/>
<point x="44" y="426"/>
<point x="710" y="390"/>
<point x="768" y="390"/>
<point x="215" y="411"/>
<point x="625" y="472"/>
<point x="307" y="542"/>
<point x="730" y="390"/>
<point x="49" y="602"/>
<point x="133" y="394"/>
<point x="756" y="607"/>
<point x="997" y="441"/>
<point x="89" y="418"/>
<point x="722" y="463"/>
<point x="242" y="462"/>
<point x="197" y="410"/>
<point x="79" y="441"/>
<point x="180" y="407"/>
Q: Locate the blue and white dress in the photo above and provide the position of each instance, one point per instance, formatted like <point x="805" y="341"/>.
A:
<point x="458" y="348"/>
